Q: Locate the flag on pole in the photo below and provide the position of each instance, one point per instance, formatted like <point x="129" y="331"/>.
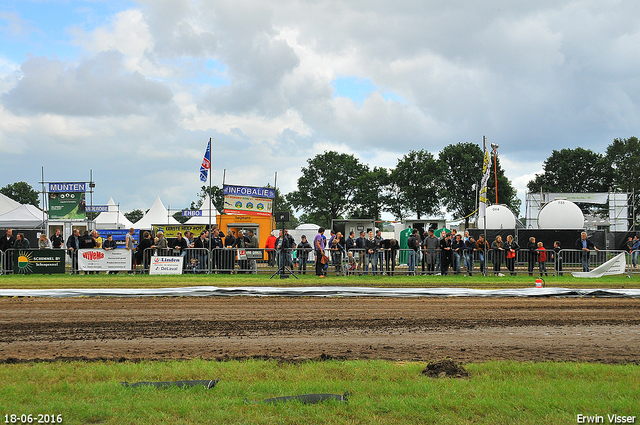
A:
<point x="486" y="172"/>
<point x="206" y="163"/>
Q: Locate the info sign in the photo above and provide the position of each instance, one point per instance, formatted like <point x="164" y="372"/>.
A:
<point x="247" y="205"/>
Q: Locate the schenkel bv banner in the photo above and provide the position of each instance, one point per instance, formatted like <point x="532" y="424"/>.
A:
<point x="255" y="192"/>
<point x="67" y="206"/>
<point x="40" y="261"/>
<point x="96" y="260"/>
<point x="166" y="265"/>
<point x="247" y="205"/>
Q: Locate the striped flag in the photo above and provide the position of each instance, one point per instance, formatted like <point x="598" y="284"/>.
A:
<point x="206" y="163"/>
<point x="486" y="172"/>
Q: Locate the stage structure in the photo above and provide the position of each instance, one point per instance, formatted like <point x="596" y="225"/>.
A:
<point x="618" y="206"/>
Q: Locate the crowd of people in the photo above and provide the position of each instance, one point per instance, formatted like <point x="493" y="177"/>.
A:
<point x="427" y="254"/>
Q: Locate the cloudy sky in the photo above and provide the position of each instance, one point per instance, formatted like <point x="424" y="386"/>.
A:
<point x="134" y="90"/>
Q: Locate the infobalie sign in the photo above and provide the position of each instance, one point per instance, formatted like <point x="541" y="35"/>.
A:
<point x="254" y="192"/>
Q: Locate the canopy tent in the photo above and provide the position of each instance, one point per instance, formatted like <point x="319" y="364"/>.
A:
<point x="23" y="217"/>
<point x="112" y="219"/>
<point x="158" y="214"/>
<point x="7" y="204"/>
<point x="206" y="207"/>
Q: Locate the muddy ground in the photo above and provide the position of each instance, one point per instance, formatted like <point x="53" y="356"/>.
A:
<point x="465" y="329"/>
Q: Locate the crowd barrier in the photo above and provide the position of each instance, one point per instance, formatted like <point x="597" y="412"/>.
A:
<point x="265" y="261"/>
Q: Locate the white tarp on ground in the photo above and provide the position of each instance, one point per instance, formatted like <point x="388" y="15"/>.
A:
<point x="158" y="214"/>
<point x="23" y="217"/>
<point x="617" y="265"/>
<point x="112" y="219"/>
<point x="319" y="291"/>
<point x="206" y="208"/>
<point x="7" y="204"/>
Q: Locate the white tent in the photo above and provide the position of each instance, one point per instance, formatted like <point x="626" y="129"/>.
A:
<point x="7" y="204"/>
<point x="158" y="214"/>
<point x="23" y="217"/>
<point x="207" y="206"/>
<point x="112" y="219"/>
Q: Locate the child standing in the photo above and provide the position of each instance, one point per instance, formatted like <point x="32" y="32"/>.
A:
<point x="542" y="258"/>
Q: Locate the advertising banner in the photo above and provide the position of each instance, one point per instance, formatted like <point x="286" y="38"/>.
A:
<point x="247" y="205"/>
<point x="166" y="265"/>
<point x="40" y="261"/>
<point x="96" y="260"/>
<point x="254" y="192"/>
<point x="67" y="206"/>
<point x="97" y="208"/>
<point x="67" y="187"/>
<point x="171" y="232"/>
<point x="617" y="265"/>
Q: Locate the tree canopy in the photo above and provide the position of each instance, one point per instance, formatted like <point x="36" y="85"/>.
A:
<point x="21" y="192"/>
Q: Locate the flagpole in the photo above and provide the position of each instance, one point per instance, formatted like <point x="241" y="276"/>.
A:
<point x="210" y="200"/>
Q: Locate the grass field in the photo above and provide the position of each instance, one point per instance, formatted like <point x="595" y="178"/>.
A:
<point x="380" y="392"/>
<point x="451" y="281"/>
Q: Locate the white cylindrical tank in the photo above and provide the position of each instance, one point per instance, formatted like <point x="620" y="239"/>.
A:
<point x="560" y="214"/>
<point x="498" y="217"/>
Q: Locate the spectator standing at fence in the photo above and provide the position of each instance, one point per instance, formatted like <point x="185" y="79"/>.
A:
<point x="87" y="242"/>
<point x="304" y="248"/>
<point x="180" y="244"/>
<point x="360" y="244"/>
<point x="457" y="248"/>
<point x="73" y="244"/>
<point x="542" y="259"/>
<point x="56" y="239"/>
<point x="431" y="245"/>
<point x="217" y="244"/>
<point x="412" y="244"/>
<point x="337" y="252"/>
<point x="371" y="248"/>
<point x="445" y="254"/>
<point x="22" y="242"/>
<point x="8" y="241"/>
<point x="379" y="252"/>
<point x="201" y="246"/>
<point x="109" y="245"/>
<point x="634" y="251"/>
<point x="497" y="250"/>
<point x="557" y="258"/>
<point x="143" y="255"/>
<point x="390" y="248"/>
<point x="96" y="237"/>
<point x="270" y="246"/>
<point x="241" y="244"/>
<point x="469" y="250"/>
<point x="291" y="245"/>
<point x="253" y="243"/>
<point x="161" y="244"/>
<point x="532" y="247"/>
<point x="129" y="244"/>
<point x="318" y="247"/>
<point x="44" y="242"/>
<point x="585" y="245"/>
<point x="511" y="248"/>
<point x="481" y="247"/>
<point x="350" y="243"/>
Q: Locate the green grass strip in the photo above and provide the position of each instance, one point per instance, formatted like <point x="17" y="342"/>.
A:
<point x="380" y="392"/>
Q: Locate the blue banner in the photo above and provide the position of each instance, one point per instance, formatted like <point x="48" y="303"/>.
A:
<point x="96" y="208"/>
<point x="66" y="187"/>
<point x="256" y="192"/>
<point x="120" y="236"/>
<point x="192" y="213"/>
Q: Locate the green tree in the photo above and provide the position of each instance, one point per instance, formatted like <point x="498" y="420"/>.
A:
<point x="21" y="192"/>
<point x="507" y="194"/>
<point x="417" y="177"/>
<point x="326" y="188"/>
<point x="624" y="157"/>
<point x="574" y="171"/>
<point x="180" y="218"/>
<point x="216" y="194"/>
<point x="134" y="216"/>
<point x="462" y="164"/>
<point x="371" y="194"/>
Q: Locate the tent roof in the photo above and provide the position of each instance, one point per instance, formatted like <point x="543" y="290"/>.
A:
<point x="112" y="219"/>
<point x="158" y="214"/>
<point x="23" y="217"/>
<point x="7" y="204"/>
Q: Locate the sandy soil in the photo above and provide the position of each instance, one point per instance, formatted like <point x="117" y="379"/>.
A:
<point x="466" y="329"/>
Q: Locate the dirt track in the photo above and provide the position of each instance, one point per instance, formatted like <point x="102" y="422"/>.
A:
<point x="466" y="329"/>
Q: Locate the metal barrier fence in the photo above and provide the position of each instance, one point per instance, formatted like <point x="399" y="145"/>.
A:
<point x="358" y="262"/>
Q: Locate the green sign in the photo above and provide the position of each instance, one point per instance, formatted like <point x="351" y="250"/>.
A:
<point x="67" y="206"/>
<point x="41" y="261"/>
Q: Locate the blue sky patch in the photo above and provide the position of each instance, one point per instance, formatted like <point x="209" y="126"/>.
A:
<point x="358" y="89"/>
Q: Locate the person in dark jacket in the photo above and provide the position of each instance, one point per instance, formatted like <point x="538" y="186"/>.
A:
<point x="143" y="254"/>
<point x="108" y="245"/>
<point x="87" y="242"/>
<point x="413" y="245"/>
<point x="57" y="240"/>
<point x="585" y="245"/>
<point x="217" y="244"/>
<point x="304" y="248"/>
<point x="360" y="243"/>
<point x="469" y="251"/>
<point x="241" y="243"/>
<point x="497" y="250"/>
<point x="201" y="245"/>
<point x="371" y="251"/>
<point x="457" y="248"/>
<point x="21" y="242"/>
<point x="390" y="248"/>
<point x="445" y="254"/>
<point x="73" y="245"/>
<point x="532" y="247"/>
